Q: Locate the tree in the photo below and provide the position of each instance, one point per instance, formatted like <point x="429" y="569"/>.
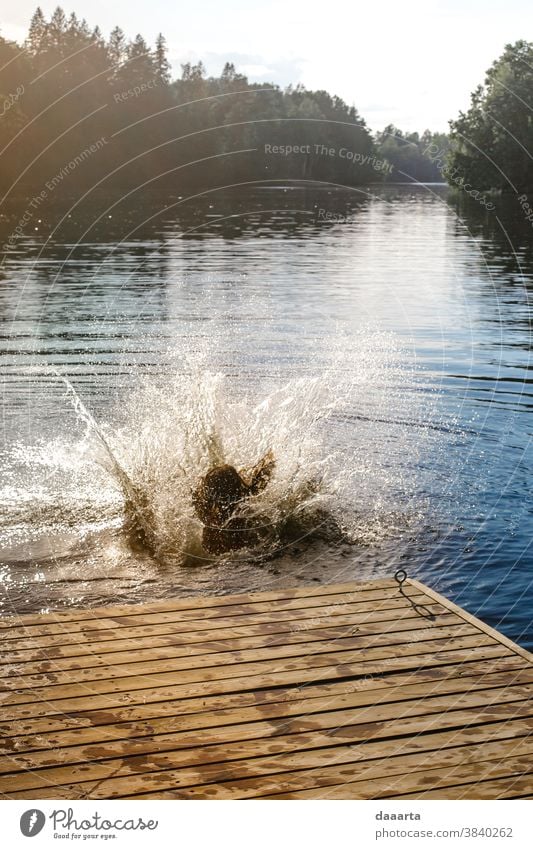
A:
<point x="15" y="77"/>
<point x="97" y="37"/>
<point x="138" y="48"/>
<point x="116" y="47"/>
<point x="57" y="28"/>
<point x="140" y="61"/>
<point x="162" y="64"/>
<point x="219" y="133"/>
<point x="491" y="143"/>
<point x="37" y="32"/>
<point x="411" y="155"/>
<point x="228" y="72"/>
<point x="231" y="80"/>
<point x="192" y="73"/>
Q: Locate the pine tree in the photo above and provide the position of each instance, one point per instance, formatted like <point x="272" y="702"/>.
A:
<point x="231" y="80"/>
<point x="192" y="72"/>
<point x="140" y="65"/>
<point x="137" y="48"/>
<point x="73" y="24"/>
<point x="96" y="36"/>
<point x="84" y="29"/>
<point x="73" y="39"/>
<point x="57" y="27"/>
<point x="161" y="62"/>
<point x="228" y="72"/>
<point x="37" y="32"/>
<point x="116" y="47"/>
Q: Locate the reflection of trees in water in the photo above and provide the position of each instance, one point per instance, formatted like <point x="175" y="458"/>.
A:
<point x="506" y="236"/>
<point x="503" y="272"/>
<point x="262" y="208"/>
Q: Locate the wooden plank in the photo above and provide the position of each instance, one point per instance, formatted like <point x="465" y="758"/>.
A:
<point x="116" y="777"/>
<point x="246" y="778"/>
<point x="504" y="788"/>
<point x="111" y="651"/>
<point x="103" y="720"/>
<point x="165" y="716"/>
<point x="386" y="620"/>
<point x="473" y="620"/>
<point x="393" y="610"/>
<point x="417" y="782"/>
<point x="174" y="687"/>
<point x="250" y="723"/>
<point x="172" y="658"/>
<point x="289" y="693"/>
<point x="190" y="671"/>
<point x="371" y="753"/>
<point x="196" y="602"/>
<point x="363" y="601"/>
<point x="344" y="773"/>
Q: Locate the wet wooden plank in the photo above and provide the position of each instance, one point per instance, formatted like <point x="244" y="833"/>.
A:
<point x="415" y="784"/>
<point x="199" y="642"/>
<point x="152" y="704"/>
<point x="256" y="722"/>
<point x="366" y="601"/>
<point x="391" y="657"/>
<point x="198" y="602"/>
<point x="170" y="660"/>
<point x="394" y="609"/>
<point x="296" y="678"/>
<point x="311" y="769"/>
<point x="313" y="699"/>
<point x="378" y="780"/>
<point x="243" y="762"/>
<point x="116" y="774"/>
<point x="510" y="787"/>
<point x="343" y="690"/>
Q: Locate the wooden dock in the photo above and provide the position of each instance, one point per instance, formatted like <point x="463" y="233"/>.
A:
<point x="354" y="691"/>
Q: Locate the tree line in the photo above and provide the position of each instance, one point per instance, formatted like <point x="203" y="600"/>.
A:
<point x="491" y="144"/>
<point x="103" y="115"/>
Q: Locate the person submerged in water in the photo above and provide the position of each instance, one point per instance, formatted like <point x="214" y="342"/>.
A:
<point x="217" y="498"/>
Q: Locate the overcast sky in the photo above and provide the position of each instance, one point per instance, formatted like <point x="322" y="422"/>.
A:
<point x="411" y="63"/>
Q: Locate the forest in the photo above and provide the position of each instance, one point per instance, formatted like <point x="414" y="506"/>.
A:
<point x="103" y="115"/>
<point x="491" y="144"/>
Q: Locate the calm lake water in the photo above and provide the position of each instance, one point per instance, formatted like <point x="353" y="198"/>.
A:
<point x="383" y="356"/>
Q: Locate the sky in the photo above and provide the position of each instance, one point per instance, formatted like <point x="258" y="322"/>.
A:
<point x="412" y="63"/>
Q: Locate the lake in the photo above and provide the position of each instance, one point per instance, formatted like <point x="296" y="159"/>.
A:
<point x="376" y="340"/>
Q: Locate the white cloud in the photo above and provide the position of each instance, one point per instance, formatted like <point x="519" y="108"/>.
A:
<point x="256" y="70"/>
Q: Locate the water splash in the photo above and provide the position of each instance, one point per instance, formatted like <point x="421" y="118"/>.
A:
<point x="175" y="434"/>
<point x="109" y="460"/>
<point x="349" y="446"/>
